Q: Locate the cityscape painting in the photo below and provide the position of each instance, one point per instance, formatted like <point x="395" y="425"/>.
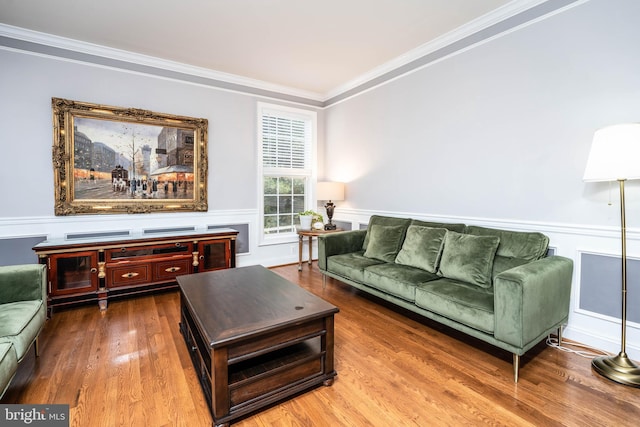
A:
<point x="127" y="160"/>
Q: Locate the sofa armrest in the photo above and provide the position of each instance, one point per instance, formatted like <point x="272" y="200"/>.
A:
<point x="531" y="299"/>
<point x="26" y="282"/>
<point x="339" y="243"/>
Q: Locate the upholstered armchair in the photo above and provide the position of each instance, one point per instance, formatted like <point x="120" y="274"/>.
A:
<point x="23" y="312"/>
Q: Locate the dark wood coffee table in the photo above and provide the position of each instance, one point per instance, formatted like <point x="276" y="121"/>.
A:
<point x="254" y="338"/>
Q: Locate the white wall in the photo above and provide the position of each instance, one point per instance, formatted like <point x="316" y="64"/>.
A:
<point x="499" y="135"/>
<point x="27" y="84"/>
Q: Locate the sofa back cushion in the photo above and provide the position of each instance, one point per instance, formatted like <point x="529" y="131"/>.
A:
<point x="515" y="248"/>
<point x="458" y="228"/>
<point x="468" y="258"/>
<point x="384" y="242"/>
<point x="385" y="220"/>
<point x="529" y="246"/>
<point x="422" y="247"/>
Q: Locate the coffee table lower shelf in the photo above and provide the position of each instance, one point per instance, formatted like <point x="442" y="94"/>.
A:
<point x="246" y="376"/>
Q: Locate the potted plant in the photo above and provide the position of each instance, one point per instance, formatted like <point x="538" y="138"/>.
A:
<point x="309" y="217"/>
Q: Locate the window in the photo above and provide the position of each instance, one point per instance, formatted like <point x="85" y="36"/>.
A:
<point x="286" y="139"/>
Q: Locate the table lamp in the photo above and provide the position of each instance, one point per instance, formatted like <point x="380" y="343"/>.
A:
<point x="615" y="156"/>
<point x="330" y="191"/>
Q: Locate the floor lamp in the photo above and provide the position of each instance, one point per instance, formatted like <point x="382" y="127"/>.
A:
<point x="615" y="156"/>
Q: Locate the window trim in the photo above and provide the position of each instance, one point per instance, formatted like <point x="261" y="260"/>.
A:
<point x="310" y="116"/>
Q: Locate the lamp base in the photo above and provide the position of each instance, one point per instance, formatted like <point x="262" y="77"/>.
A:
<point x="330" y="227"/>
<point x="618" y="368"/>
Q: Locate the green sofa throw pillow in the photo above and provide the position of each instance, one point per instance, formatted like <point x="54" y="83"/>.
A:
<point x="384" y="242"/>
<point x="383" y="220"/>
<point x="468" y="258"/>
<point x="422" y="247"/>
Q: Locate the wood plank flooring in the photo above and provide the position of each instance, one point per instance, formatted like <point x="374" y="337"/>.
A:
<point x="129" y="366"/>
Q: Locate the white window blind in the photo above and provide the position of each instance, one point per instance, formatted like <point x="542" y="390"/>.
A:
<point x="286" y="137"/>
<point x="284" y="143"/>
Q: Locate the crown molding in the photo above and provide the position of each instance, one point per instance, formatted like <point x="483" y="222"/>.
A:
<point x="383" y="73"/>
<point x="64" y="43"/>
<point x="494" y="17"/>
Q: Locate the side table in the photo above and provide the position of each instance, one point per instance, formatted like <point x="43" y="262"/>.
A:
<point x="310" y="234"/>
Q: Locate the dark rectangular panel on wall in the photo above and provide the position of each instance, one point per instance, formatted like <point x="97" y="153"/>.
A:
<point x="601" y="286"/>
<point x="93" y="235"/>
<point x="19" y="251"/>
<point x="343" y="224"/>
<point x="168" y="230"/>
<point x="242" y="241"/>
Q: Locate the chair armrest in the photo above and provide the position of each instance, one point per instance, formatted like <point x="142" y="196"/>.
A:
<point x="343" y="242"/>
<point x="26" y="282"/>
<point x="531" y="299"/>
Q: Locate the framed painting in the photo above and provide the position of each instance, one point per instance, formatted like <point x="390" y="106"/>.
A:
<point x="127" y="160"/>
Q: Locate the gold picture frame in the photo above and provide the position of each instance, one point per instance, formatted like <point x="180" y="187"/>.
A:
<point x="110" y="160"/>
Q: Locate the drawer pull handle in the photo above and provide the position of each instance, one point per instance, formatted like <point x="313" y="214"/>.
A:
<point x="172" y="269"/>
<point x="94" y="270"/>
<point x="130" y="275"/>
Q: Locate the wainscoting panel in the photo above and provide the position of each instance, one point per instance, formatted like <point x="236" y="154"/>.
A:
<point x="242" y="241"/>
<point x="19" y="250"/>
<point x="601" y="286"/>
<point x="345" y="225"/>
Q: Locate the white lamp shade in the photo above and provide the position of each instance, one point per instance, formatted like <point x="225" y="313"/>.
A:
<point x="615" y="153"/>
<point x="330" y="191"/>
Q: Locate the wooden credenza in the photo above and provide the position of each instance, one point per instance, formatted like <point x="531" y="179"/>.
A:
<point x="102" y="268"/>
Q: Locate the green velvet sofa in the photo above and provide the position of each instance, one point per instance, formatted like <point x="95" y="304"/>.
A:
<point x="23" y="312"/>
<point x="495" y="285"/>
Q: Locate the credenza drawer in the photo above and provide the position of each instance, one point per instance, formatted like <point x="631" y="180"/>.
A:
<point x="131" y="274"/>
<point x="167" y="270"/>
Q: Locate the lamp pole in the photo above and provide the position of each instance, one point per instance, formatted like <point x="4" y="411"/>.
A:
<point x="620" y="368"/>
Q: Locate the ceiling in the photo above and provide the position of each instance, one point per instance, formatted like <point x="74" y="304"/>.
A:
<point x="318" y="47"/>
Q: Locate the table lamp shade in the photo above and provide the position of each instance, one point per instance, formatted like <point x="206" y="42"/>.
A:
<point x="615" y="153"/>
<point x="330" y="191"/>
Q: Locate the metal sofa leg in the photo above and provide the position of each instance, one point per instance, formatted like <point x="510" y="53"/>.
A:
<point x="560" y="335"/>
<point x="324" y="281"/>
<point x="516" y="367"/>
<point x="36" y="346"/>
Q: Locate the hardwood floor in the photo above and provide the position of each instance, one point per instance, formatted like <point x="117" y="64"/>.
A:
<point x="129" y="366"/>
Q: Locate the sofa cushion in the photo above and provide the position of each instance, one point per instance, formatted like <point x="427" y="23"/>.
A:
<point x="23" y="283"/>
<point x="8" y="366"/>
<point x="458" y="301"/>
<point x="20" y="324"/>
<point x="383" y="220"/>
<point x="350" y="265"/>
<point x="385" y="242"/>
<point x="529" y="246"/>
<point x="422" y="247"/>
<point x="396" y="279"/>
<point x="468" y="258"/>
<point x="457" y="227"/>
